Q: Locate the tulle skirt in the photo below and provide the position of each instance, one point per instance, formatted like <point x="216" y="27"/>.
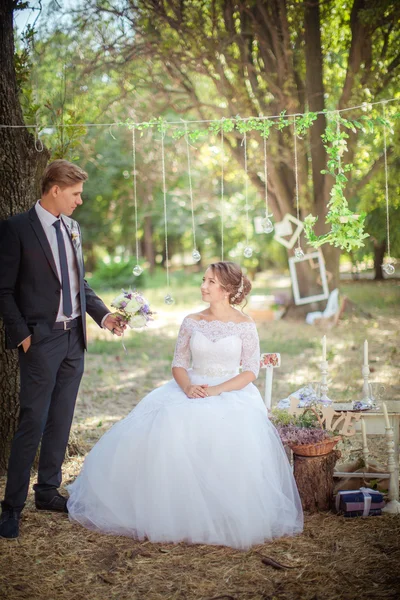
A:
<point x="210" y="471"/>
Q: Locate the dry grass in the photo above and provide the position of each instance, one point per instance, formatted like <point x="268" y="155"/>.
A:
<point x="334" y="559"/>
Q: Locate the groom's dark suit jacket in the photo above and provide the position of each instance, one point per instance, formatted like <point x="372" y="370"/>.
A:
<point x="29" y="284"/>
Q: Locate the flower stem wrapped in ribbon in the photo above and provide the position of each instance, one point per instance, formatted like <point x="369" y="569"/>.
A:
<point x="133" y="308"/>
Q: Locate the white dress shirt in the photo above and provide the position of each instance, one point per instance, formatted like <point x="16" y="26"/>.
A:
<point x="47" y="220"/>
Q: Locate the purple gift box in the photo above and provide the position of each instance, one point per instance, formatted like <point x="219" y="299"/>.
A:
<point x="359" y="503"/>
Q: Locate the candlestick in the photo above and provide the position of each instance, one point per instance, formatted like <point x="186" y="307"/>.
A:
<point x="324" y="348"/>
<point x="385" y="412"/>
<point x="324" y="399"/>
<point x="365" y="353"/>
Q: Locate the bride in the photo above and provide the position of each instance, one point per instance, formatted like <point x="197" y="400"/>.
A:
<point x="197" y="460"/>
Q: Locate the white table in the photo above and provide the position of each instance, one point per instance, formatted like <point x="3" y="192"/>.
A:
<point x="375" y="425"/>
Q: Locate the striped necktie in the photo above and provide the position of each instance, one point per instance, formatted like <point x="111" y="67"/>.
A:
<point x="66" y="288"/>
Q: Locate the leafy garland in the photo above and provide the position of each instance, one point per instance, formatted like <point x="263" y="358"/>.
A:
<point x="346" y="227"/>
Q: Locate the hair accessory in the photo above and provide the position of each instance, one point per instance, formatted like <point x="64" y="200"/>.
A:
<point x="239" y="292"/>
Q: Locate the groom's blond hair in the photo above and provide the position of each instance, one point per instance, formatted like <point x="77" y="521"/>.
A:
<point x="62" y="173"/>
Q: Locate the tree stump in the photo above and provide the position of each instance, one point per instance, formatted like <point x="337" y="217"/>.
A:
<point x="314" y="478"/>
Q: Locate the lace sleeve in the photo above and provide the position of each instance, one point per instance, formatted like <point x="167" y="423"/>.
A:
<point x="251" y="350"/>
<point x="182" y="355"/>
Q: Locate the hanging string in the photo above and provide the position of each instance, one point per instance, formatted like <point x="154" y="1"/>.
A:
<point x="38" y="142"/>
<point x="248" y="251"/>
<point x="195" y="254"/>
<point x="168" y="298"/>
<point x="267" y="223"/>
<point x="340" y="151"/>
<point x="296" y="172"/>
<point x="266" y="174"/>
<point x="236" y="119"/>
<point x="222" y="189"/>
<point x="388" y="267"/>
<point x="137" y="270"/>
<point x="299" y="251"/>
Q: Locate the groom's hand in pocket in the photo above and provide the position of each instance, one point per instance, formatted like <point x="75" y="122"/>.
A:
<point x="115" y="324"/>
<point x="26" y="344"/>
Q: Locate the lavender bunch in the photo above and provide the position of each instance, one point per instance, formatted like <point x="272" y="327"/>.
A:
<point x="293" y="434"/>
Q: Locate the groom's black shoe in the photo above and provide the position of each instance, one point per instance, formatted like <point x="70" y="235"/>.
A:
<point x="51" y="500"/>
<point x="9" y="523"/>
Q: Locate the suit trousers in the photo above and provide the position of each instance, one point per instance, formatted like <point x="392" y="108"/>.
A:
<point x="50" y="374"/>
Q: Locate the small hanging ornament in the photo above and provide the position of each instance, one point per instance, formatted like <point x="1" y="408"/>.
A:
<point x="137" y="270"/>
<point x="388" y="268"/>
<point x="267" y="225"/>
<point x="248" y="252"/>
<point x="168" y="299"/>
<point x="299" y="252"/>
<point x="196" y="255"/>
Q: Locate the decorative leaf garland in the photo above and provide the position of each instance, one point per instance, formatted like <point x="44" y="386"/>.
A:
<point x="346" y="227"/>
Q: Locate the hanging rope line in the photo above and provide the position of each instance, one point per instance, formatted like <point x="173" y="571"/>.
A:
<point x="388" y="267"/>
<point x="338" y="134"/>
<point x="237" y="119"/>
<point x="222" y="189"/>
<point x="195" y="254"/>
<point x="248" y="252"/>
<point x="168" y="299"/>
<point x="299" y="251"/>
<point x="267" y="223"/>
<point x="137" y="270"/>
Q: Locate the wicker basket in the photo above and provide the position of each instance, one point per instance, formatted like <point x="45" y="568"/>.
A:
<point x="318" y="449"/>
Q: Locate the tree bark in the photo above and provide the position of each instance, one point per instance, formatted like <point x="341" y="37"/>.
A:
<point x="314" y="478"/>
<point x="21" y="166"/>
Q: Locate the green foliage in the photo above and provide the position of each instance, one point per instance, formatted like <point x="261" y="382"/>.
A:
<point x="78" y="82"/>
<point x="283" y="417"/>
<point x="115" y="275"/>
<point x="347" y="228"/>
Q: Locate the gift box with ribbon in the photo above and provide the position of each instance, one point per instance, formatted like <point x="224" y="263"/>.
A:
<point x="359" y="503"/>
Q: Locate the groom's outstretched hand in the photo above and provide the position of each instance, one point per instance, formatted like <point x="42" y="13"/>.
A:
<point x="115" y="324"/>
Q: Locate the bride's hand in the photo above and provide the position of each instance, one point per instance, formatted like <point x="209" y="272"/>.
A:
<point x="196" y="391"/>
<point x="214" y="390"/>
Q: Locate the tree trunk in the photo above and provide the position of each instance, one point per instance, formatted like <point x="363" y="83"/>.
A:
<point x="20" y="169"/>
<point x="379" y="253"/>
<point x="322" y="183"/>
<point x="314" y="478"/>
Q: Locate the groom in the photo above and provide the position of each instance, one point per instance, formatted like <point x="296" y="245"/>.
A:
<point x="43" y="302"/>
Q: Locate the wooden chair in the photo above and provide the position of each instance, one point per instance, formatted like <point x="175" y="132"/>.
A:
<point x="269" y="362"/>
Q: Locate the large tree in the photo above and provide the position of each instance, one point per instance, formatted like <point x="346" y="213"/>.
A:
<point x="220" y="58"/>
<point x="20" y="168"/>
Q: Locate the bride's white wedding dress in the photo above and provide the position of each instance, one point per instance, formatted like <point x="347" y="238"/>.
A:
<point x="205" y="470"/>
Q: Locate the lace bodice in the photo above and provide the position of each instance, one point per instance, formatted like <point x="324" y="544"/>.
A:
<point x="217" y="348"/>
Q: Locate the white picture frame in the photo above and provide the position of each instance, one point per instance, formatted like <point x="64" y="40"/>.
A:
<point x="322" y="275"/>
<point x="286" y="226"/>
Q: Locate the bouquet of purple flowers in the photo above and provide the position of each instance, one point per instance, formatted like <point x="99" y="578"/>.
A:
<point x="133" y="308"/>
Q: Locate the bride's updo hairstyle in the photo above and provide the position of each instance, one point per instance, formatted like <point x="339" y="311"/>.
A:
<point x="231" y="278"/>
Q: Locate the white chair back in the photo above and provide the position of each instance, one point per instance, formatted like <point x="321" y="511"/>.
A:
<point x="269" y="362"/>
